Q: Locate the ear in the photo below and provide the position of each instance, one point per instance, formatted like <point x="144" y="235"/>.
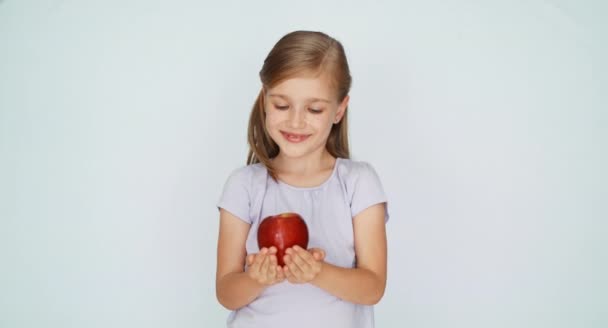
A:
<point x="341" y="109"/>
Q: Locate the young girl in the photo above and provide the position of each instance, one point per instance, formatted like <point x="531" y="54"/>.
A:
<point x="299" y="162"/>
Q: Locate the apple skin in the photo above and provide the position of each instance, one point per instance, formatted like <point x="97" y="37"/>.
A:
<point x="283" y="231"/>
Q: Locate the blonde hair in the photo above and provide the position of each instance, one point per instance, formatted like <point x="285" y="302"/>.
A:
<point x="297" y="53"/>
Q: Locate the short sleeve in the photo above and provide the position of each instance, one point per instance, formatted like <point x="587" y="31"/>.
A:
<point x="235" y="197"/>
<point x="368" y="190"/>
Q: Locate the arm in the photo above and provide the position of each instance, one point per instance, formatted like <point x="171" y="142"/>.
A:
<point x="234" y="287"/>
<point x="364" y="284"/>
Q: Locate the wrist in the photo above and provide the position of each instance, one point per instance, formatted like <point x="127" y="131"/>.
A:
<point x="319" y="276"/>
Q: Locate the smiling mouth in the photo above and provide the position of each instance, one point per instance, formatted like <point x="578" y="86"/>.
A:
<point x="295" y="138"/>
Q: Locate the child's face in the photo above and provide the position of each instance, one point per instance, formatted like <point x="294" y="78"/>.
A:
<point x="300" y="113"/>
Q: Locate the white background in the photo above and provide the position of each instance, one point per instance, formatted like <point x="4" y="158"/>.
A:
<point x="121" y="120"/>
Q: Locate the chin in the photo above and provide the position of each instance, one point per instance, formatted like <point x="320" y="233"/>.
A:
<point x="293" y="153"/>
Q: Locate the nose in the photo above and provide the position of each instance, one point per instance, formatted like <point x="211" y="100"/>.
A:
<point x="297" y="118"/>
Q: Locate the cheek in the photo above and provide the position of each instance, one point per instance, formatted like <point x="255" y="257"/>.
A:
<point x="321" y="121"/>
<point x="270" y="117"/>
<point x="272" y="121"/>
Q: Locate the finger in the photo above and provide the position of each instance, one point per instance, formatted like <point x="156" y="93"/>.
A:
<point x="288" y="274"/>
<point x="272" y="250"/>
<point x="293" y="267"/>
<point x="264" y="266"/>
<point x="272" y="266"/>
<point x="286" y="271"/>
<point x="280" y="274"/>
<point x="304" y="255"/>
<point x="257" y="262"/>
<point x="249" y="260"/>
<point x="302" y="264"/>
<point x="318" y="254"/>
<point x="290" y="255"/>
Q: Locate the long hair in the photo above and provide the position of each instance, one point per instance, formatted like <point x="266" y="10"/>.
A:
<point x="296" y="53"/>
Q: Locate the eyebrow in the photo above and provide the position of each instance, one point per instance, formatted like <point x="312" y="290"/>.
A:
<point x="309" y="99"/>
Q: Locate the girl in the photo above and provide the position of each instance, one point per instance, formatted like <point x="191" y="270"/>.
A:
<point x="299" y="162"/>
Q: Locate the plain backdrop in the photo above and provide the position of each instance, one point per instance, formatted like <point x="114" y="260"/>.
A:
<point x="486" y="120"/>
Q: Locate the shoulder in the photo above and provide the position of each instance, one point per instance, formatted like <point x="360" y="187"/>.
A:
<point x="362" y="185"/>
<point x="351" y="170"/>
<point x="241" y="190"/>
<point x="247" y="175"/>
<point x="359" y="177"/>
<point x="247" y="171"/>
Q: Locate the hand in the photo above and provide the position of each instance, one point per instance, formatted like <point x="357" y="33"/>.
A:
<point x="302" y="266"/>
<point x="263" y="268"/>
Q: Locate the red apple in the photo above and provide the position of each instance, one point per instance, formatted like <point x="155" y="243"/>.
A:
<point x="283" y="231"/>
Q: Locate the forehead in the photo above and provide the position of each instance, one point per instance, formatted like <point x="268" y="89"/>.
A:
<point x="303" y="88"/>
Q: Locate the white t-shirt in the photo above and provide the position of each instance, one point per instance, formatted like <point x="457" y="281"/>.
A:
<point x="328" y="209"/>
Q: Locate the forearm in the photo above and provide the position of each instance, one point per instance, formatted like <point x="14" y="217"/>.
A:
<point x="356" y="285"/>
<point x="237" y="289"/>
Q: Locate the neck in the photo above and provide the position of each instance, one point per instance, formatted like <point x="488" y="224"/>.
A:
<point x="311" y="163"/>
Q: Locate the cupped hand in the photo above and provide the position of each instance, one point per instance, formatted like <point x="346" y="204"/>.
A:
<point x="302" y="266"/>
<point x="262" y="267"/>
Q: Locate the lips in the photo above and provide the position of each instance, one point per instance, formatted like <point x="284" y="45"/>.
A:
<point x="294" y="137"/>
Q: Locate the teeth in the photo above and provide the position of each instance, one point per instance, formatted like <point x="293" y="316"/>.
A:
<point x="294" y="137"/>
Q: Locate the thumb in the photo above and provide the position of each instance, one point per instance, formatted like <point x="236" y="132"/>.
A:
<point x="318" y="254"/>
<point x="250" y="259"/>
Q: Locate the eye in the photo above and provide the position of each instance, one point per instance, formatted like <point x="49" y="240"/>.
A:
<point x="281" y="107"/>
<point x="315" y="111"/>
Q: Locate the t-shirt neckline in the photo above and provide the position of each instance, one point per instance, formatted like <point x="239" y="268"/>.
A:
<point x="323" y="184"/>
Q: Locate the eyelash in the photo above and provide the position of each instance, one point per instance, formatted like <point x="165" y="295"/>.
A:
<point x="312" y="110"/>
